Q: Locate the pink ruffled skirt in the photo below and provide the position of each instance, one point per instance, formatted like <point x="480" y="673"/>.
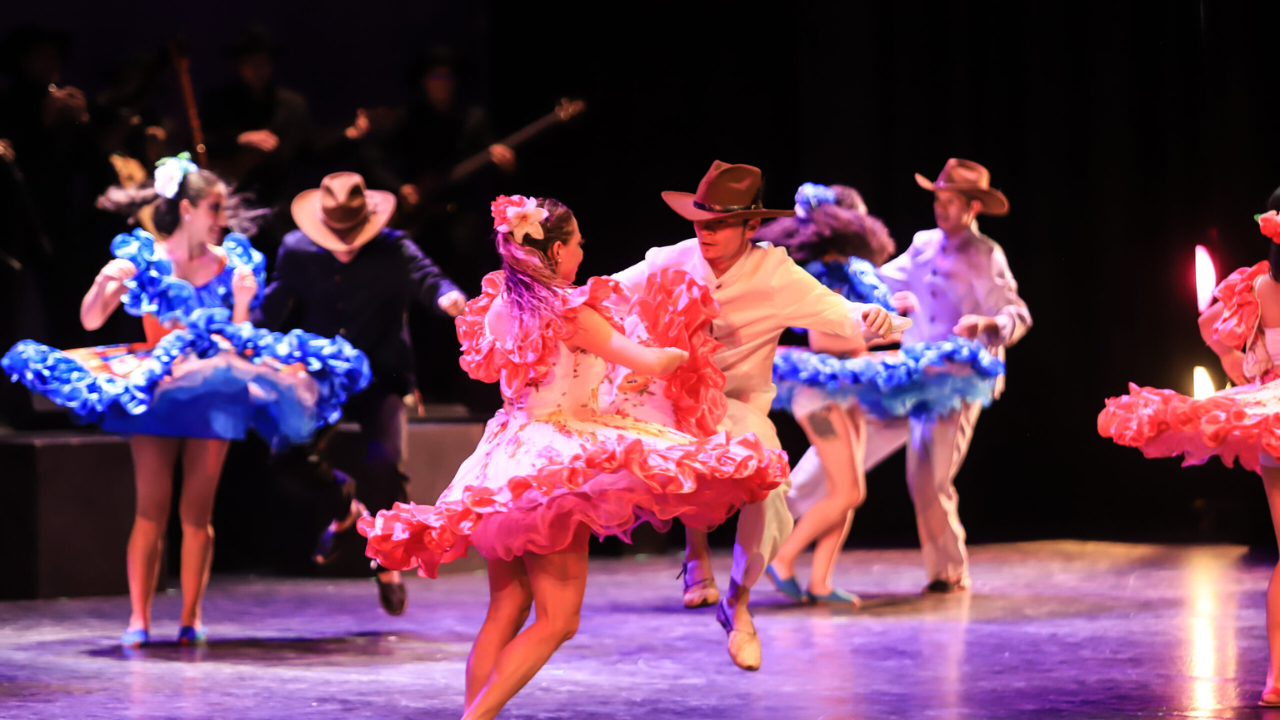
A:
<point x="531" y="483"/>
<point x="1239" y="424"/>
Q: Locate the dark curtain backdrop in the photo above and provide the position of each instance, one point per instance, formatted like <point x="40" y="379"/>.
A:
<point x="1124" y="134"/>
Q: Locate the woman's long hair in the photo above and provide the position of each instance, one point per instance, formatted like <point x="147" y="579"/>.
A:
<point x="531" y="285"/>
<point x="832" y="228"/>
<point x="1273" y="203"/>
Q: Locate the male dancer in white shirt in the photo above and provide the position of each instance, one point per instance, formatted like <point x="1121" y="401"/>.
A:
<point x="760" y="292"/>
<point x="954" y="281"/>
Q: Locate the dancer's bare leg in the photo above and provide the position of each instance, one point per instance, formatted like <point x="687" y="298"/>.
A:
<point x="696" y="548"/>
<point x="153" y="461"/>
<point x="510" y="597"/>
<point x="840" y="440"/>
<point x="201" y="467"/>
<point x="558" y="582"/>
<point x="826" y="553"/>
<point x="1271" y="694"/>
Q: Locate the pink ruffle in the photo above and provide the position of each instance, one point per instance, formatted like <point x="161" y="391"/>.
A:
<point x="1235" y="424"/>
<point x="1240" y="305"/>
<point x="702" y="483"/>
<point x="676" y="311"/>
<point x="525" y="358"/>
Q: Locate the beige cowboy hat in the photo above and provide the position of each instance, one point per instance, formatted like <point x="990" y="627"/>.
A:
<point x="726" y="191"/>
<point x="972" y="179"/>
<point x="342" y="214"/>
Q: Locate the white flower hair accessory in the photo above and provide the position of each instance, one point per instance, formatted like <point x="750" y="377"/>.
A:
<point x="170" y="171"/>
<point x="519" y="216"/>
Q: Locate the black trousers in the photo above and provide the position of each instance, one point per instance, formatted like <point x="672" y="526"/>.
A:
<point x="384" y="429"/>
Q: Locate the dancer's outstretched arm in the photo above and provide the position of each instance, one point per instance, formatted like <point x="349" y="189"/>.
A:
<point x="596" y="335"/>
<point x="104" y="296"/>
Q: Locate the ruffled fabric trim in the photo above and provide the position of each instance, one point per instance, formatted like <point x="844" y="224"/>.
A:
<point x="338" y="369"/>
<point x="525" y="358"/>
<point x="701" y="483"/>
<point x="1241" y="309"/>
<point x="676" y="311"/>
<point x="926" y="380"/>
<point x="154" y="290"/>
<point x="1235" y="424"/>
<point x="856" y="279"/>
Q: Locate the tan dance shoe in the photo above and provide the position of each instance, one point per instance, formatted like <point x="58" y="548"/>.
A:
<point x="744" y="646"/>
<point x="699" y="585"/>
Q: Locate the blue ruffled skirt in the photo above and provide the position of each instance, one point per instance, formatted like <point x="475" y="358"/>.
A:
<point x="925" y="381"/>
<point x="211" y="379"/>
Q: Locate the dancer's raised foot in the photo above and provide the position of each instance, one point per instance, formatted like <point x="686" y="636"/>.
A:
<point x="785" y="585"/>
<point x="327" y="546"/>
<point x="699" y="584"/>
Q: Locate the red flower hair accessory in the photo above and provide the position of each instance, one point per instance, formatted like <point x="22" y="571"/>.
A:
<point x="519" y="216"/>
<point x="1269" y="224"/>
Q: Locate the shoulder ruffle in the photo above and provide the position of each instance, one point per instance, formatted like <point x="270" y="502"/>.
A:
<point x="676" y="311"/>
<point x="1240" y="305"/>
<point x="154" y="290"/>
<point x="925" y="380"/>
<point x="525" y="358"/>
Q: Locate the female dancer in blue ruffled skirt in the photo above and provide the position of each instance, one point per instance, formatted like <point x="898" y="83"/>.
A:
<point x="204" y="377"/>
<point x="833" y="384"/>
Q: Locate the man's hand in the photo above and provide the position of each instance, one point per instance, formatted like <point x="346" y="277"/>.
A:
<point x="503" y="156"/>
<point x="905" y="302"/>
<point x="263" y="140"/>
<point x="6" y="151"/>
<point x="409" y="195"/>
<point x="453" y="302"/>
<point x="359" y="127"/>
<point x="971" y="326"/>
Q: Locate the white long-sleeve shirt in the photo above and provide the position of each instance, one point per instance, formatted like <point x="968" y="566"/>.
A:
<point x="764" y="293"/>
<point x="965" y="276"/>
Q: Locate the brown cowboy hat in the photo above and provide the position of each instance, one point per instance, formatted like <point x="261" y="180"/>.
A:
<point x="972" y="179"/>
<point x="342" y="214"/>
<point x="726" y="191"/>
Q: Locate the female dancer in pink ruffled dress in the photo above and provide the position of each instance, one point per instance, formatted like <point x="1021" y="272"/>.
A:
<point x="551" y="469"/>
<point x="1240" y="423"/>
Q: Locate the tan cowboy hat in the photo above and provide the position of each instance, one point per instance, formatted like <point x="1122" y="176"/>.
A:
<point x="972" y="179"/>
<point x="726" y="191"/>
<point x="342" y="214"/>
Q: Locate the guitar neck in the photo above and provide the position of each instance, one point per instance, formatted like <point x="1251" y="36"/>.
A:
<point x="480" y="159"/>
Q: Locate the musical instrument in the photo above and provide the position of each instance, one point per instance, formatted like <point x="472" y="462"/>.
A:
<point x="182" y="62"/>
<point x="432" y="185"/>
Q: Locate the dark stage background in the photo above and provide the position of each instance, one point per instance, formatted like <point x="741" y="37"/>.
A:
<point x="1122" y="137"/>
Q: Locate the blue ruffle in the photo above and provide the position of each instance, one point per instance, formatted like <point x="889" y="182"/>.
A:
<point x="905" y="384"/>
<point x="154" y="290"/>
<point x="338" y="369"/>
<point x="855" y="279"/>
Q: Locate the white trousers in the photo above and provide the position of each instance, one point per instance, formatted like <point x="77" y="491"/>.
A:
<point x="935" y="452"/>
<point x="762" y="526"/>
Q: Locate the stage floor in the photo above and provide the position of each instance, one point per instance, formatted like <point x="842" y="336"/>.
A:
<point x="1058" y="629"/>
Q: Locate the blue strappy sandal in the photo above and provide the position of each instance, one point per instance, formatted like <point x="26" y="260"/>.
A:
<point x="188" y="635"/>
<point x="835" y="597"/>
<point x="135" y="638"/>
<point x="788" y="587"/>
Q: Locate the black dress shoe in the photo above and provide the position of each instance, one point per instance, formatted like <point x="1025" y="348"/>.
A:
<point x="392" y="596"/>
<point x="944" y="587"/>
<point x="329" y="546"/>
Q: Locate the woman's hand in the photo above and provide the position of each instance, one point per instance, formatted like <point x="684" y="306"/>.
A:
<point x="669" y="359"/>
<point x="118" y="269"/>
<point x="1233" y="365"/>
<point x="904" y="302"/>
<point x="876" y="322"/>
<point x="244" y="286"/>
